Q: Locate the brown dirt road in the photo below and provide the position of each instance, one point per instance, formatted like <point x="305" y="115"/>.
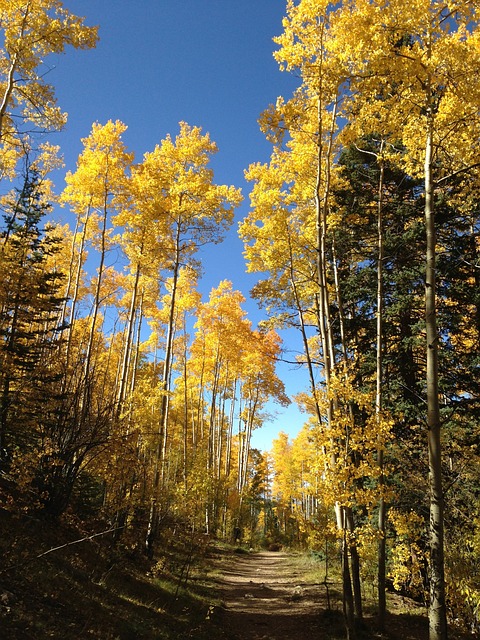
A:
<point x="267" y="597"/>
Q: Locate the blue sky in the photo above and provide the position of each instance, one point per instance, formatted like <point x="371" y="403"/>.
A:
<point x="207" y="62"/>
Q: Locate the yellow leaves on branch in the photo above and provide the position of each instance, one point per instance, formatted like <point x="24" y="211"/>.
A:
<point x="181" y="188"/>
<point x="101" y="168"/>
<point x="408" y="558"/>
<point x="349" y="445"/>
<point x="226" y="343"/>
<point x="47" y="160"/>
<point x="407" y="61"/>
<point x="32" y="31"/>
<point x="336" y="463"/>
<point x="386" y="65"/>
<point x="40" y="27"/>
<point x="304" y="28"/>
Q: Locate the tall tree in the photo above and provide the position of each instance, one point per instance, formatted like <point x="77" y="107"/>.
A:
<point x="32" y="30"/>
<point x="196" y="212"/>
<point x="30" y="301"/>
<point x="430" y="54"/>
<point x="94" y="190"/>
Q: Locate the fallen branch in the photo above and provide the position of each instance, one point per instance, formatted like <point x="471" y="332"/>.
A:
<point x="69" y="544"/>
<point x="62" y="546"/>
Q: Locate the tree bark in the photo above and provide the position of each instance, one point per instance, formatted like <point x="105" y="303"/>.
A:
<point x="127" y="349"/>
<point x="382" y="602"/>
<point x="348" y="604"/>
<point x="159" y="468"/>
<point x="437" y="609"/>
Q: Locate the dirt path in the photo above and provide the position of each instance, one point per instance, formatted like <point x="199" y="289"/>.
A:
<point x="266" y="597"/>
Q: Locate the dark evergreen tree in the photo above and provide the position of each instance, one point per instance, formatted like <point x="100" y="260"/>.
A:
<point x="29" y="307"/>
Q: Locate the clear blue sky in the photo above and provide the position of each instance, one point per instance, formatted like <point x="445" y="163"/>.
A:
<point x="207" y="62"/>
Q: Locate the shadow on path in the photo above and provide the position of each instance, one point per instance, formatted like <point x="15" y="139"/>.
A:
<point x="266" y="598"/>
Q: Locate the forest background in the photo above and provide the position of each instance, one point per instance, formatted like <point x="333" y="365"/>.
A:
<point x="127" y="396"/>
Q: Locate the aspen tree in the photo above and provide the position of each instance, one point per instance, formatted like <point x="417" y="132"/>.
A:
<point x="32" y="30"/>
<point x="142" y="240"/>
<point x="225" y="333"/>
<point x="378" y="157"/>
<point x="382" y="603"/>
<point x="277" y="237"/>
<point x="94" y="188"/>
<point x="197" y="212"/>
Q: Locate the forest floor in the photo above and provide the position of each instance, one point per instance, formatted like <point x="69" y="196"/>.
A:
<point x="53" y="589"/>
<point x="280" y="596"/>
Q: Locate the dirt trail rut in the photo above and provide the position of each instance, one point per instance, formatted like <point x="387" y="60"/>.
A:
<point x="267" y="598"/>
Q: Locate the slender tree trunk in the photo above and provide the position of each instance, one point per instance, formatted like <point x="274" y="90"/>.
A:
<point x="437" y="609"/>
<point x="355" y="563"/>
<point x="186" y="408"/>
<point x="349" y="517"/>
<point x="341" y="314"/>
<point x="68" y="286"/>
<point x="212" y="436"/>
<point x="136" y="356"/>
<point x="382" y="603"/>
<point x="7" y="94"/>
<point x="167" y="367"/>
<point x="127" y="350"/>
<point x="322" y="194"/>
<point x="159" y="462"/>
<point x="348" y="603"/>
<point x="9" y="85"/>
<point x="222" y="430"/>
<point x="129" y="363"/>
<point x="96" y="300"/>
<point x="323" y="310"/>
<point x="306" y="348"/>
<point x="228" y="452"/>
<point x="245" y="455"/>
<point x="76" y="288"/>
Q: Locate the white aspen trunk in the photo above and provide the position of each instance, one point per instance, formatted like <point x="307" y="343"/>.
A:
<point x="76" y="288"/>
<point x="382" y="603"/>
<point x="9" y="85"/>
<point x="63" y="313"/>
<point x="228" y="453"/>
<point x="437" y="606"/>
<point x="138" y="337"/>
<point x="162" y="433"/>
<point x="96" y="300"/>
<point x="7" y="94"/>
<point x="212" y="431"/>
<point x="248" y="437"/>
<point x="322" y="193"/>
<point x="167" y="367"/>
<point x="240" y="443"/>
<point x="341" y="316"/>
<point x="127" y="350"/>
<point x="186" y="405"/>
<point x="350" y="520"/>
<point x="222" y="431"/>
<point x="199" y="431"/>
<point x="306" y="348"/>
